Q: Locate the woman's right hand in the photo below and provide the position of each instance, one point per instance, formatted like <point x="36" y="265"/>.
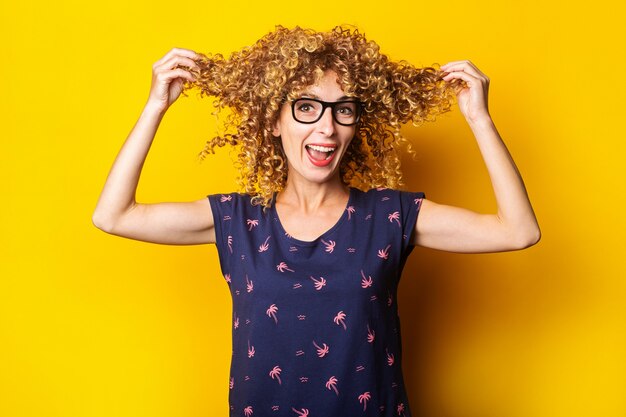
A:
<point x="167" y="79"/>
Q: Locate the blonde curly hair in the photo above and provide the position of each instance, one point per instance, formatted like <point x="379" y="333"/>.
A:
<point x="254" y="83"/>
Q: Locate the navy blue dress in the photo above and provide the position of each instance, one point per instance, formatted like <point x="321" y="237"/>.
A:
<point x="316" y="331"/>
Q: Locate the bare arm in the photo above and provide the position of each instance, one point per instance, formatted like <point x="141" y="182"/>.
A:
<point x="456" y="229"/>
<point x="117" y="212"/>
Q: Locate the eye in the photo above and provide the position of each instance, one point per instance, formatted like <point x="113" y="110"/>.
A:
<point x="305" y="107"/>
<point x="346" y="109"/>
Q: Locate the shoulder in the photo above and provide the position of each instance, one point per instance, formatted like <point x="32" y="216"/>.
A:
<point x="234" y="203"/>
<point x="388" y="202"/>
<point x="394" y="214"/>
<point x="229" y="197"/>
<point x="232" y="199"/>
<point x="234" y="213"/>
<point x="391" y="194"/>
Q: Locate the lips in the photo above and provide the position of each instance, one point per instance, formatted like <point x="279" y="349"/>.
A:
<point x="320" y="154"/>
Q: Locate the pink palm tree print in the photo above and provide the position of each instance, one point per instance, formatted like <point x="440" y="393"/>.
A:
<point x="371" y="334"/>
<point x="282" y="267"/>
<point x="330" y="245"/>
<point x="236" y="323"/>
<point x="366" y="282"/>
<point x="251" y="351"/>
<point x="265" y="246"/>
<point x="303" y="413"/>
<point x="390" y="358"/>
<point x="350" y="211"/>
<point x="322" y="351"/>
<point x="319" y="284"/>
<point x="394" y="216"/>
<point x="339" y="319"/>
<point x="227" y="278"/>
<point x="225" y="198"/>
<point x="229" y="242"/>
<point x="384" y="253"/>
<point x="364" y="398"/>
<point x="249" y="285"/>
<point x="252" y="223"/>
<point x="271" y="312"/>
<point x="231" y="383"/>
<point x="332" y="384"/>
<point x="247" y="411"/>
<point x="400" y="408"/>
<point x="275" y="374"/>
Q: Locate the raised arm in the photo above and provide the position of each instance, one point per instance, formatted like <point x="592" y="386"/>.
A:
<point x="117" y="212"/>
<point x="456" y="229"/>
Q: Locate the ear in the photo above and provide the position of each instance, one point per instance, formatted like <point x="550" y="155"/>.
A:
<point x="276" y="130"/>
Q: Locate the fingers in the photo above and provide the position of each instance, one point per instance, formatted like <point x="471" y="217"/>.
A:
<point x="465" y="66"/>
<point x="472" y="98"/>
<point x="175" y="52"/>
<point x="459" y="63"/>
<point x="169" y="75"/>
<point x="466" y="71"/>
<point x="169" y="67"/>
<point x="470" y="79"/>
<point x="176" y="60"/>
<point x="175" y="73"/>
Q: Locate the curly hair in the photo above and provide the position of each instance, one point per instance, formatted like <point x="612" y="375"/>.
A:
<point x="254" y="83"/>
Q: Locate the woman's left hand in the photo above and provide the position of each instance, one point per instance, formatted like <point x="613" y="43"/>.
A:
<point x="472" y="100"/>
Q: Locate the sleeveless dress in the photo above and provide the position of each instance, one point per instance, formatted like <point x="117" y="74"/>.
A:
<point x="315" y="328"/>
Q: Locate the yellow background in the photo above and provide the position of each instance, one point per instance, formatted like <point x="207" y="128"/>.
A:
<point x="96" y="325"/>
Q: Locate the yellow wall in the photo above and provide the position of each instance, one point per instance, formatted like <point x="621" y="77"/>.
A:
<point x="96" y="325"/>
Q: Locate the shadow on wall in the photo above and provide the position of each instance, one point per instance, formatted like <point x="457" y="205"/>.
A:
<point x="469" y="321"/>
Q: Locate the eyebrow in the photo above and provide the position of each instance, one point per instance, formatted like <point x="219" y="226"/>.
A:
<point x="311" y="95"/>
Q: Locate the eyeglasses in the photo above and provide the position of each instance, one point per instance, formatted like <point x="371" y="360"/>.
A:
<point x="310" y="110"/>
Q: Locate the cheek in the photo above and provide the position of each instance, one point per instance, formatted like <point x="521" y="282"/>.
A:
<point x="294" y="134"/>
<point x="280" y="122"/>
<point x="350" y="135"/>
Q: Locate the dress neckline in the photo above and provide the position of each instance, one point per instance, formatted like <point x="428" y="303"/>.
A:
<point x="324" y="235"/>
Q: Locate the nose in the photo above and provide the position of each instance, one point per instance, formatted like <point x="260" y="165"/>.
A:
<point x="326" y="124"/>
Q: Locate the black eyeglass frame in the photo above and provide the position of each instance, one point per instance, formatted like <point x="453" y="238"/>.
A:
<point x="325" y="104"/>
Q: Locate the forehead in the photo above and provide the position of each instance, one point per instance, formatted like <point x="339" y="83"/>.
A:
<point x="326" y="87"/>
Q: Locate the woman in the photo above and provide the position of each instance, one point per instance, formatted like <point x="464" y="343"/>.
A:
<point x="312" y="262"/>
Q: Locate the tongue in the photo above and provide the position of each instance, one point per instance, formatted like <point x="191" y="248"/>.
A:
<point x="317" y="155"/>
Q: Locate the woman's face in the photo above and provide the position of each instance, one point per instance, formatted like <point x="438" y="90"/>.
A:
<point x="314" y="151"/>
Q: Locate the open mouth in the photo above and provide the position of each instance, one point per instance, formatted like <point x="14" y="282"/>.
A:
<point x="320" y="153"/>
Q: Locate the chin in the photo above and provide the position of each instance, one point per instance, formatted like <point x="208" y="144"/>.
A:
<point x="321" y="177"/>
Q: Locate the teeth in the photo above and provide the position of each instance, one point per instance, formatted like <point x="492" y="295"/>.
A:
<point x="321" y="148"/>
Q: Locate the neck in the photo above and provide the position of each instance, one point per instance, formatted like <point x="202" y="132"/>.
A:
<point x="309" y="197"/>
